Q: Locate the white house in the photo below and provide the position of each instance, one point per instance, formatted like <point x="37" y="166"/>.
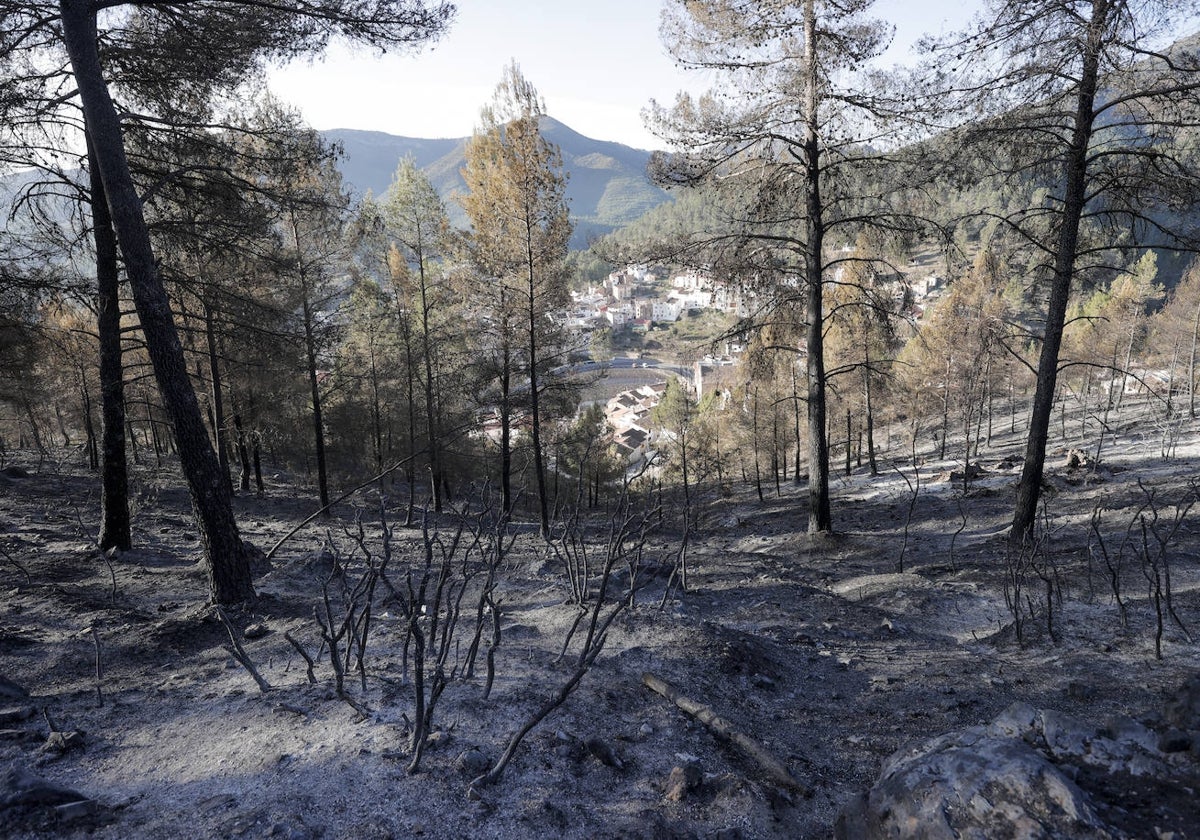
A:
<point x="665" y="310"/>
<point x="618" y="316"/>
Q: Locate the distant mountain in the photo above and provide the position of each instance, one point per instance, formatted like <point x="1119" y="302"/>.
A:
<point x="607" y="184"/>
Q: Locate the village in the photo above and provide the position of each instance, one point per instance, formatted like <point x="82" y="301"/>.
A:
<point x="633" y="302"/>
<point x="636" y="300"/>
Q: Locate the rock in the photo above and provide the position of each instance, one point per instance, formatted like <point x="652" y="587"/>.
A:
<point x="437" y="740"/>
<point x="1029" y="773"/>
<point x="256" y="631"/>
<point x="1017" y="721"/>
<point x="682" y="781"/>
<point x="971" y="784"/>
<point x="61" y="742"/>
<point x="1123" y="728"/>
<point x="973" y="471"/>
<point x="472" y="762"/>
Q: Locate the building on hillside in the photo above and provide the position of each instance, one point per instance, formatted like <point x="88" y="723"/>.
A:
<point x="734" y="300"/>
<point x="620" y="285"/>
<point x="631" y="408"/>
<point x="631" y="443"/>
<point x="691" y="299"/>
<point x="665" y="310"/>
<point x="927" y="286"/>
<point x="691" y="281"/>
<point x="643" y="307"/>
<point x="630" y="411"/>
<point x="618" y="315"/>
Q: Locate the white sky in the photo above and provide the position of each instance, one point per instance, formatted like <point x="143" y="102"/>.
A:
<point x="597" y="64"/>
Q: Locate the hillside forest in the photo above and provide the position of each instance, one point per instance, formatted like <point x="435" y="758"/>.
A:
<point x="385" y="421"/>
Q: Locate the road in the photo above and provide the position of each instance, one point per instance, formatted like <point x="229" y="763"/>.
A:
<point x="623" y="374"/>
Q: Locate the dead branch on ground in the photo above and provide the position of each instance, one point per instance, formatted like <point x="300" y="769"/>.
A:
<point x="725" y="731"/>
<point x="235" y="649"/>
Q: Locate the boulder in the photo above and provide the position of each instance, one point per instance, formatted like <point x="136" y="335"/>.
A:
<point x="971" y="784"/>
<point x="1029" y="773"/>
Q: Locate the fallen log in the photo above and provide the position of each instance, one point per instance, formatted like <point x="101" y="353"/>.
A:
<point x="772" y="766"/>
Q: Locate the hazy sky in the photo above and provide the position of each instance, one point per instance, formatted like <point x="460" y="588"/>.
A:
<point x="597" y="64"/>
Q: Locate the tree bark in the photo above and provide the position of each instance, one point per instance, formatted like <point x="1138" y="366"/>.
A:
<point x="410" y="376"/>
<point x="228" y="568"/>
<point x="870" y="409"/>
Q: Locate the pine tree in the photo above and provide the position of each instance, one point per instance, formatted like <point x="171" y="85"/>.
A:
<point x="520" y="229"/>
<point x="779" y="141"/>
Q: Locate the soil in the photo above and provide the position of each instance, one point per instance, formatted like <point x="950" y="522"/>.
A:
<point x="831" y="653"/>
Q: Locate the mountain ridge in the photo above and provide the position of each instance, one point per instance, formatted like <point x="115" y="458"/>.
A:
<point x="607" y="185"/>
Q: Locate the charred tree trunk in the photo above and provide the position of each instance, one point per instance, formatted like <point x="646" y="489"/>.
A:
<point x="1192" y="363"/>
<point x="228" y="568"/>
<point x="539" y="458"/>
<point x="314" y="388"/>
<point x="410" y="378"/>
<point x="872" y="462"/>
<point x="89" y="429"/>
<point x="1029" y="486"/>
<point x="432" y="426"/>
<point x="218" y="402"/>
<point x="798" y="442"/>
<point x="506" y="499"/>
<point x="820" y="517"/>
<point x="755" y="447"/>
<point x="243" y="451"/>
